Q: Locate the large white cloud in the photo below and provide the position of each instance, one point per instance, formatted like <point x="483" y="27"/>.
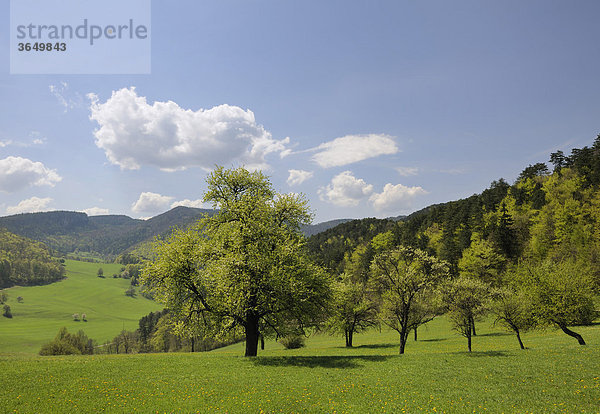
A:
<point x="133" y="133"/>
<point x="31" y="205"/>
<point x="17" y="173"/>
<point x="298" y="177"/>
<point x="95" y="211"/>
<point x="345" y="190"/>
<point x="353" y="148"/>
<point x="189" y="203"/>
<point x="395" y="197"/>
<point x="151" y="203"/>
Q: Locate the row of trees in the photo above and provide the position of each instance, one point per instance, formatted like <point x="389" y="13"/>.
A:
<point x="247" y="270"/>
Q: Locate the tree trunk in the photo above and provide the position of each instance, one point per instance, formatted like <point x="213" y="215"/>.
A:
<point x="473" y="331"/>
<point x="262" y="342"/>
<point x="519" y="339"/>
<point x="192" y="339"/>
<point x="469" y="341"/>
<point x="350" y="337"/>
<point x="252" y="334"/>
<point x="415" y="333"/>
<point x="403" y="337"/>
<point x="573" y="334"/>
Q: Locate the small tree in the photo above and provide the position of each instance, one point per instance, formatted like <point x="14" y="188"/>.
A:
<point x="130" y="292"/>
<point x="404" y="275"/>
<point x="561" y="295"/>
<point x="100" y="272"/>
<point x="7" y="313"/>
<point x="84" y="317"/>
<point x="3" y="298"/>
<point x="20" y="299"/>
<point x="513" y="311"/>
<point x="76" y="317"/>
<point x="465" y="299"/>
<point x="353" y="310"/>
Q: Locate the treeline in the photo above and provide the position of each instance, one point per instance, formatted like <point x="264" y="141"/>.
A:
<point x="155" y="333"/>
<point x="26" y="262"/>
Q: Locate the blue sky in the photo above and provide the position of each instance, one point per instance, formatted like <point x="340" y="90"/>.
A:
<point x="370" y="108"/>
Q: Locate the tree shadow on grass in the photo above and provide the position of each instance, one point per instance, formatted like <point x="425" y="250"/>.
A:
<point x="318" y="361"/>
<point x="476" y="354"/>
<point x="377" y="346"/>
<point x="496" y="334"/>
<point x="433" y="340"/>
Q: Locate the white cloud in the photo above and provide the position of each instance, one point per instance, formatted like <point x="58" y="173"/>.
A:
<point x="151" y="203"/>
<point x="17" y="173"/>
<point x="189" y="203"/>
<point x="298" y="176"/>
<point x="133" y="133"/>
<point x="353" y="148"/>
<point x="345" y="190"/>
<point x="454" y="171"/>
<point x="95" y="211"/>
<point x="31" y="205"/>
<point x="5" y="143"/>
<point x="407" y="171"/>
<point x="395" y="197"/>
<point x="65" y="98"/>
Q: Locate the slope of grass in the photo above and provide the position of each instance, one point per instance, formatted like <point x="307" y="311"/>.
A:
<point x="435" y="375"/>
<point x="45" y="309"/>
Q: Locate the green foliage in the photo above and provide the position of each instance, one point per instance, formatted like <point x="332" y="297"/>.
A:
<point x="7" y="312"/>
<point x="68" y="344"/>
<point x="100" y="272"/>
<point x="26" y="262"/>
<point x="243" y="268"/>
<point x="466" y="300"/>
<point x="513" y="311"/>
<point x="483" y="262"/>
<point x="561" y="293"/>
<point x="293" y="341"/>
<point x="331" y="247"/>
<point x="406" y="278"/>
<point x="130" y="292"/>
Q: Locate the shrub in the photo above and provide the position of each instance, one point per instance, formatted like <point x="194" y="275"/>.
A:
<point x="293" y="341"/>
<point x="68" y="344"/>
<point x="7" y="313"/>
<point x="20" y="299"/>
<point x="76" y="317"/>
<point x="130" y="292"/>
<point x="83" y="317"/>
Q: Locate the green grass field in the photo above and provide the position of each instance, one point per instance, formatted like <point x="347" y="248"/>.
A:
<point x="45" y="309"/>
<point x="435" y="375"/>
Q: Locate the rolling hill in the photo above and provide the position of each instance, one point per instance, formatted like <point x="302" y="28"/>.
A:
<point x="110" y="235"/>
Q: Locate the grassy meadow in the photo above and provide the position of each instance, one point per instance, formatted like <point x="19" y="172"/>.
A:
<point x="45" y="309"/>
<point x="435" y="375"/>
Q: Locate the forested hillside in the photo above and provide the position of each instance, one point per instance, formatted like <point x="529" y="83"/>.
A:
<point x="107" y="236"/>
<point x="26" y="262"/>
<point x="529" y="253"/>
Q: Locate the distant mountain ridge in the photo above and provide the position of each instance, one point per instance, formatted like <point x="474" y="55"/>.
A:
<point x="110" y="235"/>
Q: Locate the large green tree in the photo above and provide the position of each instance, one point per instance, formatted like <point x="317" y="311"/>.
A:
<point x="243" y="268"/>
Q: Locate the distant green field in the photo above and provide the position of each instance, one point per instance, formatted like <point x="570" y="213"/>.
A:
<point x="45" y="309"/>
<point x="435" y="375"/>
